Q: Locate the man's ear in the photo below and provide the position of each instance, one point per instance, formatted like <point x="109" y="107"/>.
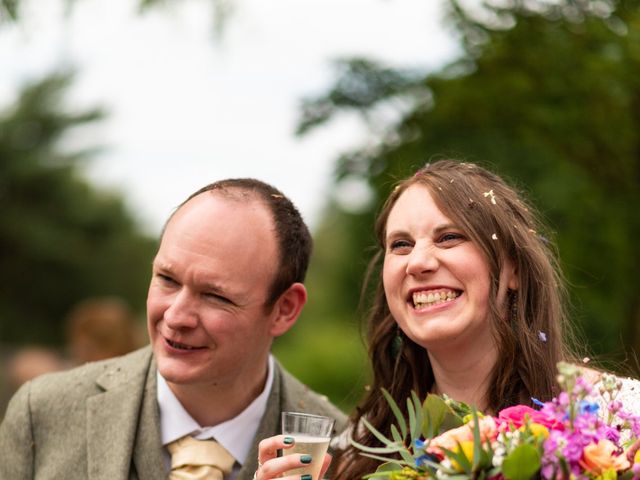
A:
<point x="287" y="309"/>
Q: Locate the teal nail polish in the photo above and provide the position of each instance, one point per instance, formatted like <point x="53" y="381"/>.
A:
<point x="305" y="459"/>
<point x="305" y="477"/>
<point x="288" y="440"/>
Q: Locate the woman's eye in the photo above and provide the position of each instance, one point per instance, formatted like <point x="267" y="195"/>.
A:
<point x="451" y="238"/>
<point x="398" y="246"/>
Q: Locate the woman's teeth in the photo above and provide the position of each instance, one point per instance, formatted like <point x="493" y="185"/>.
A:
<point x="427" y="299"/>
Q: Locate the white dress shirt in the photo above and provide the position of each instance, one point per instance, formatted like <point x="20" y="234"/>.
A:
<point x="236" y="434"/>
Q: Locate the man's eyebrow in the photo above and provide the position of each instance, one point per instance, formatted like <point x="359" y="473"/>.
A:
<point x="214" y="287"/>
<point x="161" y="265"/>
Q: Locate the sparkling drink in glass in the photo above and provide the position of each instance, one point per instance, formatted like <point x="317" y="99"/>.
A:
<point x="312" y="434"/>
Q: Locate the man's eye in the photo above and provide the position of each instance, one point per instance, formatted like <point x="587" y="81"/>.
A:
<point x="217" y="297"/>
<point x="166" y="279"/>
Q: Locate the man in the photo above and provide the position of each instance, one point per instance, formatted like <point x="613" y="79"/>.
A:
<point x="226" y="280"/>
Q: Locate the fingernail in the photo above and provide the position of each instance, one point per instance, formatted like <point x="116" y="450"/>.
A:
<point x="288" y="440"/>
<point x="305" y="477"/>
<point x="305" y="459"/>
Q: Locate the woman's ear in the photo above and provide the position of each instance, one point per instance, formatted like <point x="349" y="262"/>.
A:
<point x="511" y="273"/>
<point x="508" y="279"/>
<point x="287" y="309"/>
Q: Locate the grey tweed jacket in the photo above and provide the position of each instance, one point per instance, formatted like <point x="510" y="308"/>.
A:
<point x="101" y="422"/>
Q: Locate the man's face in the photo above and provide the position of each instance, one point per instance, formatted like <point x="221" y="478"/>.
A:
<point x="206" y="312"/>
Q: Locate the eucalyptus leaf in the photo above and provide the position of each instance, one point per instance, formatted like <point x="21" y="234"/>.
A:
<point x="477" y="444"/>
<point x="396" y="412"/>
<point x="377" y="433"/>
<point x="416" y="431"/>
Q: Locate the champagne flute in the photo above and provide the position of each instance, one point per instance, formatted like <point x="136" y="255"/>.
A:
<point x="312" y="434"/>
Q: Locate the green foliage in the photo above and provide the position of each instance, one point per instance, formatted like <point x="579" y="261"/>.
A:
<point x="522" y="463"/>
<point x="440" y="416"/>
<point x="61" y="240"/>
<point x="548" y="96"/>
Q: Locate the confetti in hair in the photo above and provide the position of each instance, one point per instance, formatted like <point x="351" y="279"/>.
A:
<point x="542" y="336"/>
<point x="491" y="195"/>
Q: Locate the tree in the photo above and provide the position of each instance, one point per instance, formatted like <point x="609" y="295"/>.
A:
<point x="548" y="95"/>
<point x="61" y="240"/>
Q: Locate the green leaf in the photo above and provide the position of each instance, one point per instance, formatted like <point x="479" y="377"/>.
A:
<point x="522" y="463"/>
<point x="412" y="418"/>
<point x="385" y="470"/>
<point x="434" y="410"/>
<point x="438" y="417"/>
<point x="396" y="412"/>
<point x="416" y="429"/>
<point x="389" y="467"/>
<point x="365" y="448"/>
<point x="377" y="433"/>
<point x="477" y="444"/>
<point x="460" y="458"/>
<point x="385" y="459"/>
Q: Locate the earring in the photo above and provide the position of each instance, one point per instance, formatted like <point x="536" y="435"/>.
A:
<point x="397" y="343"/>
<point x="513" y="306"/>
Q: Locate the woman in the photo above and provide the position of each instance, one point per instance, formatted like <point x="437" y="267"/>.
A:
<point x="469" y="303"/>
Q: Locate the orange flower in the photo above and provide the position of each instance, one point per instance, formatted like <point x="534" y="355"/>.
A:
<point x="597" y="458"/>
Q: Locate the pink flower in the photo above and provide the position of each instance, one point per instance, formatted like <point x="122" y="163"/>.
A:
<point x="517" y="416"/>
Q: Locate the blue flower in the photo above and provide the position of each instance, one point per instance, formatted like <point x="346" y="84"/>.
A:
<point x="537" y="402"/>
<point x="422" y="459"/>
<point x="586" y="406"/>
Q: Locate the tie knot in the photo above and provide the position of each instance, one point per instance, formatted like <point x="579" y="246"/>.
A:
<point x="189" y="454"/>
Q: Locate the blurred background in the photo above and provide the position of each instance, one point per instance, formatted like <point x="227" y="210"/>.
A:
<point x="111" y="113"/>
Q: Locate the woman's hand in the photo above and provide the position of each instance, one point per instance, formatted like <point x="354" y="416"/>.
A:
<point x="271" y="466"/>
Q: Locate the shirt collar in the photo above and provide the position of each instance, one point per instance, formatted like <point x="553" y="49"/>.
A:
<point x="236" y="434"/>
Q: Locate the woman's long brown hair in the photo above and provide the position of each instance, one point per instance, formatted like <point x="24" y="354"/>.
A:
<point x="531" y="331"/>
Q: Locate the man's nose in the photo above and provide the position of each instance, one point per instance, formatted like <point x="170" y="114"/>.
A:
<point x="422" y="259"/>
<point x="181" y="313"/>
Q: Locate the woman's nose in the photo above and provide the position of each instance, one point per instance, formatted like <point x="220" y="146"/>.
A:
<point x="181" y="312"/>
<point x="422" y="259"/>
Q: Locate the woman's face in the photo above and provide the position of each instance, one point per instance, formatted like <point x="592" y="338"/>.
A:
<point x="436" y="281"/>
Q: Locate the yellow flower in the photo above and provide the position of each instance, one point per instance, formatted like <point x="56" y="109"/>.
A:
<point x="465" y="447"/>
<point x="636" y="457"/>
<point x="539" y="431"/>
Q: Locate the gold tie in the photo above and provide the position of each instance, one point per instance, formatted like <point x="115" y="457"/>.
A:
<point x="193" y="459"/>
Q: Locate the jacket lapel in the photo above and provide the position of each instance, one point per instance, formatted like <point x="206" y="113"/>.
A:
<point x="112" y="417"/>
<point x="269" y="425"/>
<point x="147" y="452"/>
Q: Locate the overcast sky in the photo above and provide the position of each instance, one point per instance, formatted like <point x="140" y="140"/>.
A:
<point x="186" y="108"/>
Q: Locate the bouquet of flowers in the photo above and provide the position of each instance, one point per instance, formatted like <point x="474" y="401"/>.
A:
<point x="583" y="433"/>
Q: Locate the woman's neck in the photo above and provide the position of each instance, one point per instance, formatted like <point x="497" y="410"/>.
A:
<point x="464" y="378"/>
